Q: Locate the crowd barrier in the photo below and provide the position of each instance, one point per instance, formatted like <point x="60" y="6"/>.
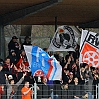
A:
<point x="57" y="91"/>
<point x="67" y="92"/>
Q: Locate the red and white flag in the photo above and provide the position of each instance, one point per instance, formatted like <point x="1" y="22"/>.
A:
<point x="89" y="48"/>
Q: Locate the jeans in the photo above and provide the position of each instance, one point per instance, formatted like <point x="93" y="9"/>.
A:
<point x="90" y="96"/>
<point x="54" y="96"/>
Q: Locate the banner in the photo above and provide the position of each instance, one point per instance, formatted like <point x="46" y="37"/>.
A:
<point x="42" y="64"/>
<point x="89" y="48"/>
<point x="63" y="39"/>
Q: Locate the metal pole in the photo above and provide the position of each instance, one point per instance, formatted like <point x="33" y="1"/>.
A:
<point x="32" y="91"/>
<point x="98" y="91"/>
<point x="2" y="42"/>
<point x="52" y="95"/>
<point x="35" y="90"/>
<point x="55" y="23"/>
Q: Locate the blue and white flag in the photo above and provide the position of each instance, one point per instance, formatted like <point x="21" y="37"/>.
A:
<point x="40" y="62"/>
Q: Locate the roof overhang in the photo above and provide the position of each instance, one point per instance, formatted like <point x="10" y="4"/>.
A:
<point x="83" y="13"/>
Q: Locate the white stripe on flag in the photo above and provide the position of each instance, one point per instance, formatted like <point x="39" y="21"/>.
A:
<point x="37" y="54"/>
<point x="53" y="70"/>
<point x="28" y="50"/>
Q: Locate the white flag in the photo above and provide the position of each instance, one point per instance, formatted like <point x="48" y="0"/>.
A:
<point x="64" y="39"/>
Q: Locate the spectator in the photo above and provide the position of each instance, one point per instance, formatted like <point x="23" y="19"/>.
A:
<point x="71" y="78"/>
<point x="77" y="61"/>
<point x="12" y="87"/>
<point x="26" y="42"/>
<point x="70" y="85"/>
<point x="61" y="60"/>
<point x="21" y="66"/>
<point x="68" y="61"/>
<point x="88" y="83"/>
<point x="45" y="89"/>
<point x="56" y="55"/>
<point x="77" y="53"/>
<point x="71" y="54"/>
<point x="7" y="64"/>
<point x="24" y="59"/>
<point x="75" y="69"/>
<point x="95" y="82"/>
<point x="26" y="91"/>
<point x="1" y="91"/>
<point x="10" y="77"/>
<point x="13" y="58"/>
<point x="82" y="70"/>
<point x="2" y="74"/>
<point x="10" y="68"/>
<point x="13" y="45"/>
<point x="65" y="91"/>
<point x="65" y="75"/>
<point x="76" y="89"/>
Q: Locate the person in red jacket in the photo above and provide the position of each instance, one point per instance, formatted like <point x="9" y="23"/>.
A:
<point x="1" y="91"/>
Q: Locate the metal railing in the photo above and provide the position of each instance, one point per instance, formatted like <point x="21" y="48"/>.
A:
<point x="67" y="92"/>
<point x="57" y="91"/>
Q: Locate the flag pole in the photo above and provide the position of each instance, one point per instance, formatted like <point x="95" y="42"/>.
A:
<point x="35" y="88"/>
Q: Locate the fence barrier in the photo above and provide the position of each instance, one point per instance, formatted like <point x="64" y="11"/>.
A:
<point x="57" y="91"/>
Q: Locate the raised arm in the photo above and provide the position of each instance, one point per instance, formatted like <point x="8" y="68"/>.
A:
<point x="7" y="82"/>
<point x="20" y="81"/>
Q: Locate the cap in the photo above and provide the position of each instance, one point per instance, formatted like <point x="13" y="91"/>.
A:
<point x="71" y="73"/>
<point x="12" y="51"/>
<point x="10" y="76"/>
<point x="14" y="37"/>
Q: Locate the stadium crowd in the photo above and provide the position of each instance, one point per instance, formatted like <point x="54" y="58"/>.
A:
<point x="78" y="81"/>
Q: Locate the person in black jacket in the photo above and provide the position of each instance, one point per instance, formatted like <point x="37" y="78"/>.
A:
<point x="13" y="45"/>
<point x="26" y="42"/>
<point x="45" y="91"/>
<point x="76" y="89"/>
<point x="2" y="74"/>
<point x="65" y="75"/>
<point x="64" y="88"/>
<point x="13" y="57"/>
<point x="3" y="78"/>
